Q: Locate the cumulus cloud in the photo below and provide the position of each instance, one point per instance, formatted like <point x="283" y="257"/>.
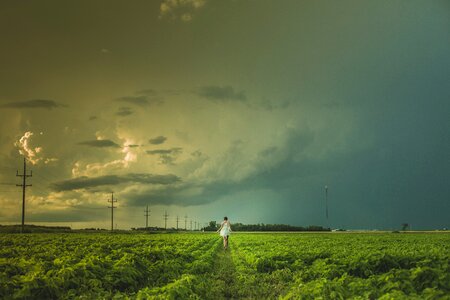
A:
<point x="98" y="168"/>
<point x="82" y="168"/>
<point x="85" y="182"/>
<point x="100" y="144"/>
<point x="221" y="93"/>
<point x="180" y="9"/>
<point x="35" y="103"/>
<point x="166" y="156"/>
<point x="26" y="150"/>
<point x="33" y="154"/>
<point x="157" y="140"/>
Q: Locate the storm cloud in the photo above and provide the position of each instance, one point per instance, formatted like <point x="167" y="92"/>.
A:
<point x="35" y="103"/>
<point x="184" y="194"/>
<point x="166" y="156"/>
<point x="165" y="151"/>
<point x="85" y="182"/>
<point x="157" y="140"/>
<point x="100" y="144"/>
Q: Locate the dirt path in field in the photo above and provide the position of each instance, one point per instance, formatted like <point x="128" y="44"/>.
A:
<point x="225" y="274"/>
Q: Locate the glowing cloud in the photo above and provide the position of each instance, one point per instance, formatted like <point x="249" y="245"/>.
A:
<point x="34" y="155"/>
<point x="26" y="150"/>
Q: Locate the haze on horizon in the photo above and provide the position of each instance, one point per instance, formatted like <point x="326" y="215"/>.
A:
<point x="240" y="108"/>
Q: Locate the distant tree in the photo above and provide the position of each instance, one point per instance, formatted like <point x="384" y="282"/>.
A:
<point x="405" y="226"/>
<point x="212" y="226"/>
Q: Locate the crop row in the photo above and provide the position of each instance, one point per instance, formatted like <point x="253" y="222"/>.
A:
<point x="342" y="266"/>
<point x="100" y="265"/>
<point x="194" y="266"/>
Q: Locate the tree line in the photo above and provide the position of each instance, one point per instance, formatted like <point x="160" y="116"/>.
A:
<point x="213" y="226"/>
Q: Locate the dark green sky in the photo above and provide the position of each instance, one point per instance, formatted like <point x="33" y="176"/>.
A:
<point x="238" y="108"/>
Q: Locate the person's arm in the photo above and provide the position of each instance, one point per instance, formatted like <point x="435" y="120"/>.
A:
<point x="221" y="225"/>
<point x="229" y="226"/>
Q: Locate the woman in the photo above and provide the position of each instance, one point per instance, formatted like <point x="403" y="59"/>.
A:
<point x="225" y="230"/>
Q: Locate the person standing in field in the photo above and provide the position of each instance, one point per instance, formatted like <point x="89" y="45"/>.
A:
<point x="225" y="230"/>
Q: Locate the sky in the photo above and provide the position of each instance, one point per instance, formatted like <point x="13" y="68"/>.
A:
<point x="245" y="109"/>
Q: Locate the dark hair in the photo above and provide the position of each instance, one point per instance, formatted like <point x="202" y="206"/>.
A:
<point x="225" y="218"/>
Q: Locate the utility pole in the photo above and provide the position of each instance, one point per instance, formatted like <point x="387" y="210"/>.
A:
<point x="146" y="217"/>
<point x="165" y="220"/>
<point x="24" y="186"/>
<point x="195" y="225"/>
<point x="112" y="201"/>
<point x="177" y="222"/>
<point x="191" y="225"/>
<point x="185" y="222"/>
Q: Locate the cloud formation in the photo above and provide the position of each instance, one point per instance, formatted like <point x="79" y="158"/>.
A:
<point x="124" y="111"/>
<point x="221" y="93"/>
<point x="144" y="97"/>
<point x="85" y="182"/>
<point x="165" y="151"/>
<point x="33" y="154"/>
<point x="157" y="140"/>
<point x="166" y="156"/>
<point x="180" y="9"/>
<point x="100" y="144"/>
<point x="35" y="103"/>
<point x="26" y="150"/>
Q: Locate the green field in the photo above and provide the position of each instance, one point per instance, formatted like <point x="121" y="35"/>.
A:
<point x="195" y="266"/>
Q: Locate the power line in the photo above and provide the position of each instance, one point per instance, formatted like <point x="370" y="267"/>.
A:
<point x="24" y="185"/>
<point x="112" y="201"/>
